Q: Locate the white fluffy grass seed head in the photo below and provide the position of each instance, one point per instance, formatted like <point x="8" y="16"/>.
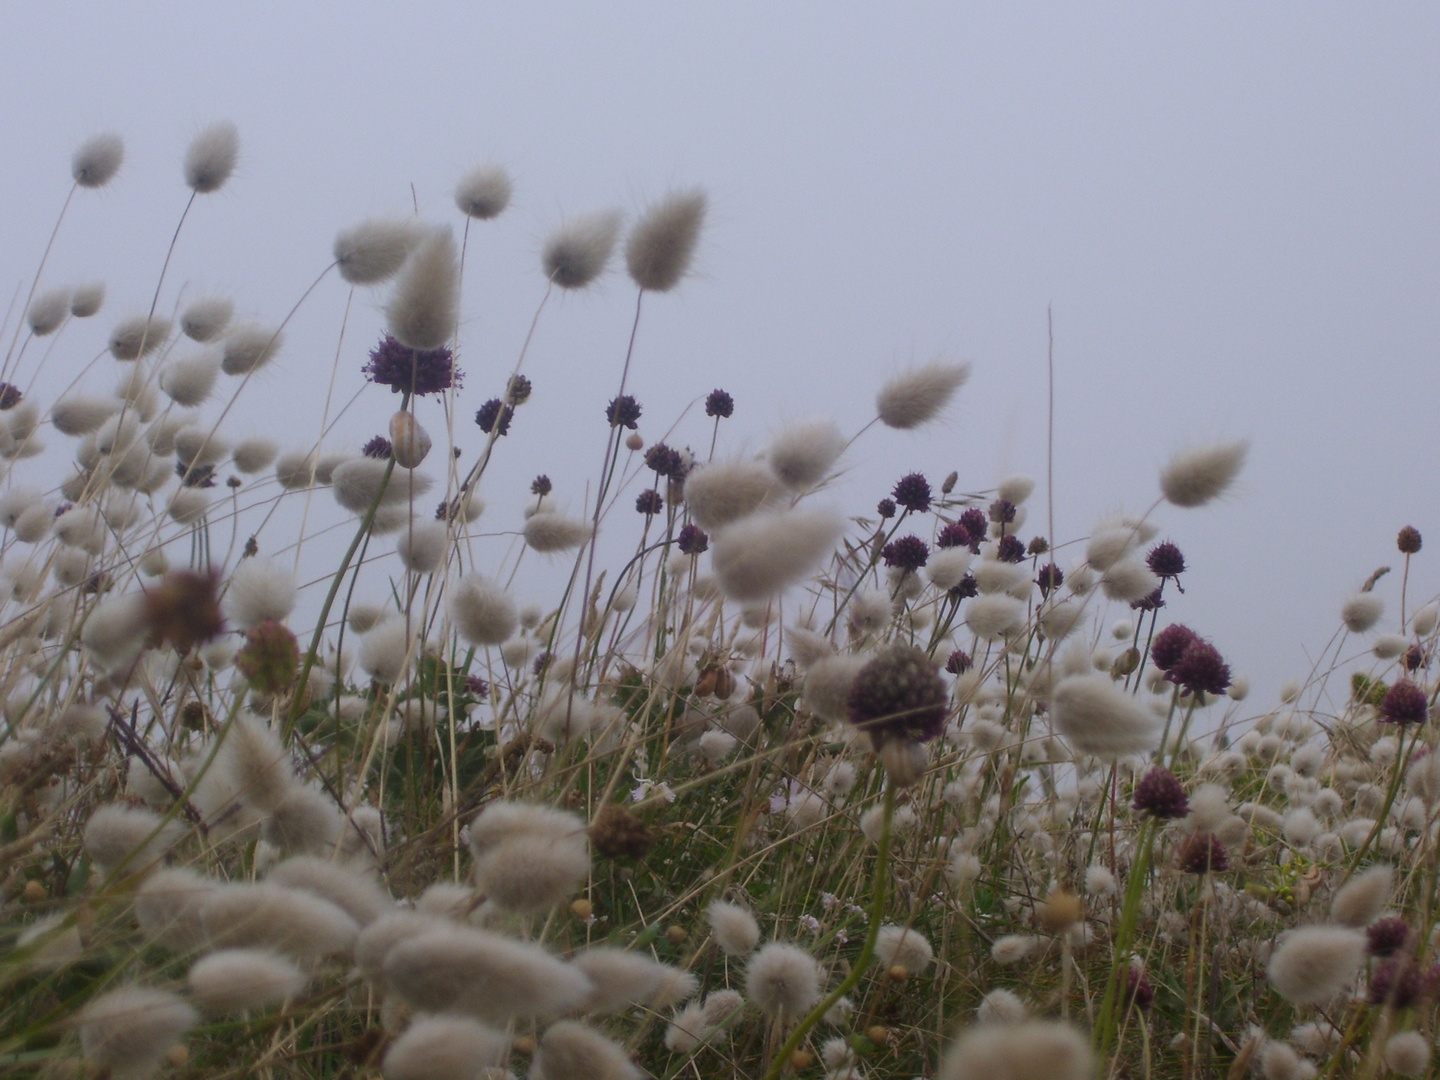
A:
<point x="80" y="414"/>
<point x="98" y="159"/>
<point x="765" y="553"/>
<point x="234" y="980"/>
<point x="570" y="1050"/>
<point x="206" y="318"/>
<point x="917" y="396"/>
<point x="249" y="348"/>
<point x="138" y="336"/>
<point x="1030" y="1050"/>
<point x="1315" y="963"/>
<point x="425" y="305"/>
<point x="189" y="381"/>
<point x="167" y="907"/>
<point x="47" y="311"/>
<point x="373" y="251"/>
<point x="421" y="546"/>
<point x="254" y="454"/>
<point x="484" y="192"/>
<point x="623" y="978"/>
<point x="549" y="531"/>
<point x="733" y="927"/>
<point x="783" y="981"/>
<point x="720" y="492"/>
<point x="385" y="649"/>
<point x="1195" y="477"/>
<point x="266" y="916"/>
<point x="1361" y="612"/>
<point x="576" y="252"/>
<point x="259" y="590"/>
<point x="128" y="1031"/>
<point x="1362" y="899"/>
<point x="128" y="835"/>
<point x="211" y="157"/>
<point x="805" y="451"/>
<point x="904" y="948"/>
<point x="662" y="243"/>
<point x="1098" y="718"/>
<point x="483" y="612"/>
<point x="444" y="1048"/>
<point x="87" y="299"/>
<point x="1408" y="1053"/>
<point x="995" y="616"/>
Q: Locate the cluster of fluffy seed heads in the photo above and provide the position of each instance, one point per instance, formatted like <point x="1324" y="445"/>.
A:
<point x="623" y="411"/>
<point x="719" y="404"/>
<point x="1405" y="703"/>
<point x="1160" y="795"/>
<point x="416" y="371"/>
<point x="1202" y="853"/>
<point x="907" y="553"/>
<point x="899" y="695"/>
<point x="913" y="493"/>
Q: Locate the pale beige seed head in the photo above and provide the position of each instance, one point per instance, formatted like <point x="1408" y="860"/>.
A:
<point x="445" y="1048"/>
<point x="569" y="1050"/>
<point x="1362" y="899"/>
<point x="1195" y="477"/>
<point x="211" y="158"/>
<point x="237" y="980"/>
<point x="484" y="192"/>
<point x="296" y="923"/>
<point x="805" y="451"/>
<point x="903" y="947"/>
<point x="662" y="243"/>
<point x="576" y="253"/>
<point x="138" y="336"/>
<point x="1029" y="1050"/>
<point x="483" y="612"/>
<point x="765" y="553"/>
<point x="425" y="305"/>
<point x="128" y="1031"/>
<point x="1315" y="963"/>
<point x="87" y="299"/>
<point x="1408" y="1053"/>
<point x="550" y="531"/>
<point x="733" y="927"/>
<point x="351" y="888"/>
<point x="97" y="160"/>
<point x="783" y="981"/>
<point x="248" y="348"/>
<point x="917" y="396"/>
<point x="720" y="492"/>
<point x="1096" y="717"/>
<point x="623" y="978"/>
<point x="47" y="311"/>
<point x="374" y="251"/>
<point x="206" y="318"/>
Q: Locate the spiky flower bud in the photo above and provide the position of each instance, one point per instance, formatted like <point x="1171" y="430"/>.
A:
<point x="576" y="253"/>
<point x="211" y="157"/>
<point x="1405" y="703"/>
<point x="1202" y="853"/>
<point x="662" y="243"/>
<point x="1408" y="540"/>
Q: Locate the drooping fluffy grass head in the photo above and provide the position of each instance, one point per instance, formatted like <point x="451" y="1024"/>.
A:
<point x="211" y="157"/>
<point x="98" y="159"/>
<point x="576" y="253"/>
<point x="127" y="1031"/>
<point x="662" y="243"/>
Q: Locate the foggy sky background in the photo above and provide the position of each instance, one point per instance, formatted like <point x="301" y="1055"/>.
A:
<point x="1231" y="208"/>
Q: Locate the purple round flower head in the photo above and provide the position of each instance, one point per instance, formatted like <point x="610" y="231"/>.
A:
<point x="1414" y="658"/>
<point x="1051" y="577"/>
<point x="378" y="447"/>
<point x="959" y="662"/>
<point x="1397" y="982"/>
<point x="1165" y="561"/>
<point x="649" y="502"/>
<point x="9" y="396"/>
<point x="419" y="371"/>
<point x="1408" y="541"/>
<point x="1139" y="991"/>
<point x="1202" y="853"/>
<point x="886" y="509"/>
<point x="1010" y="549"/>
<point x="719" y="404"/>
<point x="1405" y="703"/>
<point x="967" y="588"/>
<point x="913" y="492"/>
<point x="476" y="686"/>
<point x="1170" y="644"/>
<point x="952" y="535"/>
<point x="665" y="461"/>
<point x="623" y="411"/>
<point x="1386" y="937"/>
<point x="1038" y="546"/>
<point x="1160" y="795"/>
<point x="899" y="695"/>
<point x="195" y="476"/>
<point x="542" y="661"/>
<point x="692" y="540"/>
<point x="1200" y="669"/>
<point x="540" y="485"/>
<point x="517" y="390"/>
<point x="908" y="553"/>
<point x="977" y="527"/>
<point x="1002" y="511"/>
<point x="495" y="412"/>
<point x="1151" y="601"/>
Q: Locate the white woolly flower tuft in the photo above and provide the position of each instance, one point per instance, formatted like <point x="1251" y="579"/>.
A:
<point x="947" y="567"/>
<point x="734" y="929"/>
<point x="357" y="484"/>
<point x="97" y="160"/>
<point x="119" y="835"/>
<point x="205" y="319"/>
<point x="995" y="616"/>
<point x="385" y="650"/>
<point x="1408" y="1053"/>
<point x="352" y="889"/>
<point x="720" y="492"/>
<point x="233" y="980"/>
<point x="483" y="612"/>
<point x="47" y="311"/>
<point x="1001" y="1007"/>
<point x="1360" y="901"/>
<point x="167" y="907"/>
<point x="1016" y="488"/>
<point x="259" y="590"/>
<point x="783" y="981"/>
<point x="484" y="192"/>
<point x="1129" y="580"/>
<point x="188" y="505"/>
<point x="1361" y="612"/>
<point x="1030" y="1050"/>
<point x="254" y="454"/>
<point x="249" y="348"/>
<point x="1096" y="717"/>
<point x="569" y="1050"/>
<point x="188" y="382"/>
<point x="127" y="1032"/>
<point x="1195" y="477"/>
<point x="426" y="302"/>
<point x="662" y="243"/>
<point x="265" y="916"/>
<point x="549" y="531"/>
<point x="528" y="858"/>
<point x="445" y="1048"/>
<point x="422" y="546"/>
<point x="87" y="299"/>
<point x="576" y="253"/>
<point x="803" y="453"/>
<point x="116" y="631"/>
<point x="765" y="553"/>
<point x="903" y="948"/>
<point x="78" y="414"/>
<point x="1315" y="963"/>
<point x="374" y="251"/>
<point x="622" y="978"/>
<point x="138" y="336"/>
<point x="917" y="396"/>
<point x="211" y="157"/>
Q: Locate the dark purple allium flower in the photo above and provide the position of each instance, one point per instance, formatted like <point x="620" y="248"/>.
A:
<point x="1397" y="982"/>
<point x="886" y="509"/>
<point x="913" y="492"/>
<point x="1160" y="795"/>
<point x="720" y="404"/>
<point x="623" y="411"/>
<point x="952" y="535"/>
<point x="517" y="390"/>
<point x="378" y="447"/>
<point x="665" y="461"/>
<point x="649" y="502"/>
<point x="977" y="526"/>
<point x="495" y="412"/>
<point x="959" y="662"/>
<point x="908" y="553"/>
<point x="1386" y="937"/>
<point x="9" y="396"/>
<point x="1414" y="658"/>
<point x="1408" y="541"/>
<point x="1038" y="546"/>
<point x="542" y="661"/>
<point x="1200" y="669"/>
<point x="540" y="485"/>
<point x="1202" y="853"/>
<point x="1170" y="644"/>
<point x="476" y="686"/>
<point x="1165" y="560"/>
<point x="899" y="695"/>
<point x="1405" y="703"/>
<point x="1002" y="511"/>
<point x="692" y="539"/>
<point x="967" y="588"/>
<point x="1051" y="577"/>
<point x="419" y="371"/>
<point x="1010" y="549"/>
<point x="195" y="476"/>
<point x="64" y="508"/>
<point x="1139" y="991"/>
<point x="1151" y="601"/>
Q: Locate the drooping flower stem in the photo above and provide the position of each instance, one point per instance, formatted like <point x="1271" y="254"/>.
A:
<point x="867" y="951"/>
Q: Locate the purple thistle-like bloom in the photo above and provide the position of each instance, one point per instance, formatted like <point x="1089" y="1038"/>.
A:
<point x="666" y="461"/>
<point x="1010" y="549"/>
<point x="1002" y="511"/>
<point x="719" y="404"/>
<point x="1151" y="601"/>
<point x="1200" y="669"/>
<point x="692" y="539"/>
<point x="1202" y="853"/>
<point x="1170" y="644"/>
<point x="1165" y="560"/>
<point x="913" y="492"/>
<point x="1160" y="795"/>
<point x="967" y="588"/>
<point x="1414" y="658"/>
<point x="1139" y="991"/>
<point x="623" y="411"/>
<point x="1386" y="937"/>
<point x="195" y="476"/>
<point x="379" y="447"/>
<point x="1051" y="577"/>
<point x="476" y="686"/>
<point x="649" y="502"/>
<point x="899" y="695"/>
<point x="419" y="371"/>
<point x="1408" y="540"/>
<point x="908" y="553"/>
<point x="540" y="485"/>
<point x="886" y="509"/>
<point x="959" y="662"/>
<point x="952" y="535"/>
<point x="1405" y="703"/>
<point x="517" y="390"/>
<point x="1397" y="982"/>
<point x="495" y="412"/>
<point x="977" y="526"/>
<point x="9" y="396"/>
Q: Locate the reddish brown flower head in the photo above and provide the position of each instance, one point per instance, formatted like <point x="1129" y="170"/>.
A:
<point x="183" y="610"/>
<point x="908" y="553"/>
<point x="270" y="658"/>
<point x="1386" y="937"/>
<point x="1160" y="795"/>
<point x="1170" y="644"/>
<point x="1202" y="853"/>
<point x="1409" y="540"/>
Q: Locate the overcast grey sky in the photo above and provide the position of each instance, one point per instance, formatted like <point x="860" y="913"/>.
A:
<point x="1231" y="208"/>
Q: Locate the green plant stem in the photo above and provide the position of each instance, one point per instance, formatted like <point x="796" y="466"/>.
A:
<point x="1108" y="1022"/>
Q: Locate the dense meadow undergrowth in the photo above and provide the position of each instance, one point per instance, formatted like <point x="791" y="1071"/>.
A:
<point x="772" y="791"/>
